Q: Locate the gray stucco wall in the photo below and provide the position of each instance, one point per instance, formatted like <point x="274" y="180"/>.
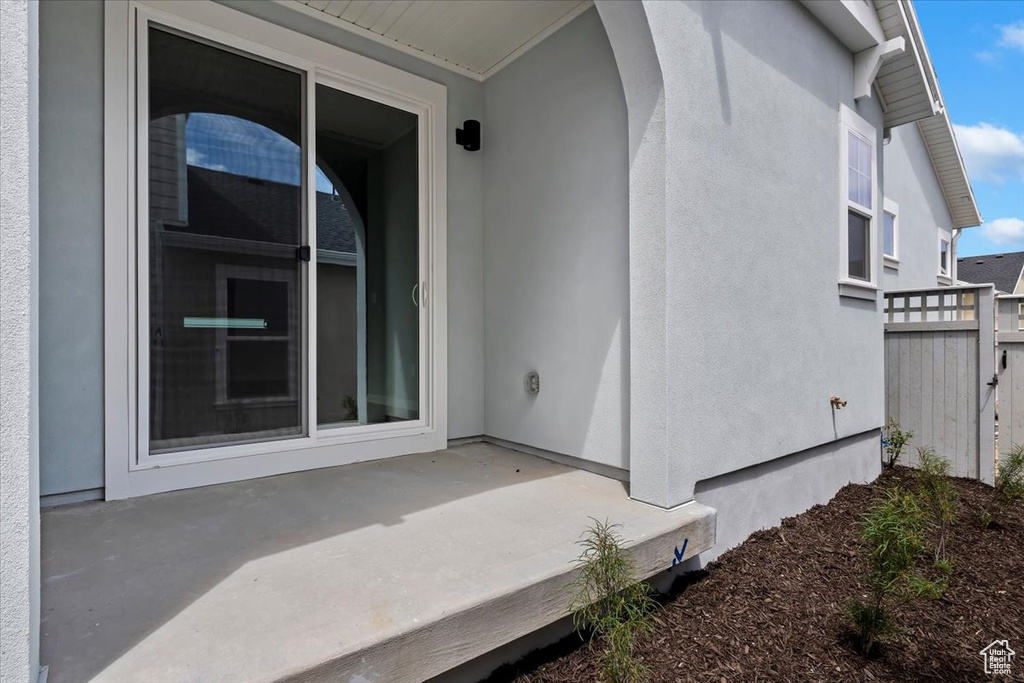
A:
<point x="556" y="247"/>
<point x="760" y="497"/>
<point x="756" y="336"/>
<point x="71" y="245"/>
<point x="71" y="344"/>
<point x="19" y="483"/>
<point x="910" y="182"/>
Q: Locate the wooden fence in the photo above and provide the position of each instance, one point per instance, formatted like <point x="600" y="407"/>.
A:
<point x="939" y="383"/>
<point x="1010" y="371"/>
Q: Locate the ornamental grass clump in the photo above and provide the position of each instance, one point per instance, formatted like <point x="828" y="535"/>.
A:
<point x="939" y="499"/>
<point x="894" y="442"/>
<point x="894" y="535"/>
<point x="611" y="603"/>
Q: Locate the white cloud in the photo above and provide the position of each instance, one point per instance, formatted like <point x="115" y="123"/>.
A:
<point x="193" y="157"/>
<point x="1012" y="36"/>
<point x="986" y="57"/>
<point x="991" y="153"/>
<point x="1006" y="232"/>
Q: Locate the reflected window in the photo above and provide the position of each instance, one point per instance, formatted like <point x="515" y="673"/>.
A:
<point x="225" y="220"/>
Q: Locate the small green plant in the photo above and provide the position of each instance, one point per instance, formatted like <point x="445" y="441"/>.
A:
<point x="987" y="519"/>
<point x="894" y="442"/>
<point x="1009" y="486"/>
<point x="894" y="536"/>
<point x="939" y="498"/>
<point x="610" y="602"/>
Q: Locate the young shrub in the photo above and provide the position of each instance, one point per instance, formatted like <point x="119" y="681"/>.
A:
<point x="610" y="601"/>
<point x="939" y="498"/>
<point x="1009" y="485"/>
<point x="1010" y="479"/>
<point x="894" y="442"/>
<point x="894" y="536"/>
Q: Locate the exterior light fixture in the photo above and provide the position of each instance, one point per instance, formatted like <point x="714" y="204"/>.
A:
<point x="469" y="135"/>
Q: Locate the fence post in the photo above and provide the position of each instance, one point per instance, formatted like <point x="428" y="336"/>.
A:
<point x="985" y="306"/>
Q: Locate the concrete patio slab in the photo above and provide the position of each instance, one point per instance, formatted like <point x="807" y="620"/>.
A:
<point x="393" y="570"/>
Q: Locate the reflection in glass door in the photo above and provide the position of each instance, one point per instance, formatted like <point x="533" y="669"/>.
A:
<point x="229" y="140"/>
<point x="367" y="227"/>
<point x="226" y="332"/>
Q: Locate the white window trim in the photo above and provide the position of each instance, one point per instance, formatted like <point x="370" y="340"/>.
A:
<point x="891" y="260"/>
<point x="850" y="121"/>
<point x="945" y="277"/>
<point x="125" y="472"/>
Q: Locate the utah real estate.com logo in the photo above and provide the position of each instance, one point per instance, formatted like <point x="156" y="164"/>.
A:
<point x="998" y="657"/>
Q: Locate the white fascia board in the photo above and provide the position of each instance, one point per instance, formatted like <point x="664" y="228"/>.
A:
<point x="853" y="22"/>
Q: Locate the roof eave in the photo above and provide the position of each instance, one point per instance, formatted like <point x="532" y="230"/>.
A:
<point x="910" y="90"/>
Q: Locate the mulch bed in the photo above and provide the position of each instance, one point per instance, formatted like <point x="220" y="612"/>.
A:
<point x="772" y="608"/>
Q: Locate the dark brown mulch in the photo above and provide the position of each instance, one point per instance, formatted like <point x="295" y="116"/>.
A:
<point x="771" y="609"/>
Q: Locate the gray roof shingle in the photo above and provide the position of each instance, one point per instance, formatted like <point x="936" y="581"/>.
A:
<point x="236" y="206"/>
<point x="1003" y="270"/>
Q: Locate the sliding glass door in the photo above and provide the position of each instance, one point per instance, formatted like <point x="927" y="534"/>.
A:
<point x="367" y="215"/>
<point x="280" y="256"/>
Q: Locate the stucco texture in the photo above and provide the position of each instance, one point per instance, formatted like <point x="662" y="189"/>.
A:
<point x="760" y="497"/>
<point x="910" y="182"/>
<point x="556" y="247"/>
<point x="19" y="493"/>
<point x="756" y="337"/>
<point x="71" y="245"/>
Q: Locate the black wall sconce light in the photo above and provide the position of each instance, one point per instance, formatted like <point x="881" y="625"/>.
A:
<point x="469" y="135"/>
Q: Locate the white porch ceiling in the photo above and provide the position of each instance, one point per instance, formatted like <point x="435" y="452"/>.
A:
<point x="474" y="37"/>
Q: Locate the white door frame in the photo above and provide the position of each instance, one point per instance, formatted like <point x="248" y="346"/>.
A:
<point x="129" y="468"/>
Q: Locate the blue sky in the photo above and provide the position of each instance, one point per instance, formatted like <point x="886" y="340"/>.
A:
<point x="226" y="143"/>
<point x="977" y="48"/>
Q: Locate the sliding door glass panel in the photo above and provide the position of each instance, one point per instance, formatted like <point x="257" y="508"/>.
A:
<point x="367" y="220"/>
<point x="225" y="221"/>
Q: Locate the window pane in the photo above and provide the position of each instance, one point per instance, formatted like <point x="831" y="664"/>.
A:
<point x="367" y="261"/>
<point x="864" y="152"/>
<point x="263" y="301"/>
<point x="944" y="256"/>
<point x="858" y="259"/>
<point x="865" y="192"/>
<point x="225" y="219"/>
<point x="859" y="170"/>
<point x="890" y="234"/>
<point x="257" y="369"/>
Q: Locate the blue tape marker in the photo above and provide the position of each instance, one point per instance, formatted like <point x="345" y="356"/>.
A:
<point x="679" y="552"/>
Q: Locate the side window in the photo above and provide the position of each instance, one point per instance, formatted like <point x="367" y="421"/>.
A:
<point x="859" y="219"/>
<point x="890" y="232"/>
<point x="945" y="255"/>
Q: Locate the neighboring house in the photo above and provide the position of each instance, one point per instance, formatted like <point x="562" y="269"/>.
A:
<point x="1005" y="271"/>
<point x="240" y="240"/>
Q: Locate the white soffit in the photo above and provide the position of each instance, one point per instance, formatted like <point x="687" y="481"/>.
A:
<point x="910" y="92"/>
<point x="473" y="37"/>
<point x="906" y="88"/>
